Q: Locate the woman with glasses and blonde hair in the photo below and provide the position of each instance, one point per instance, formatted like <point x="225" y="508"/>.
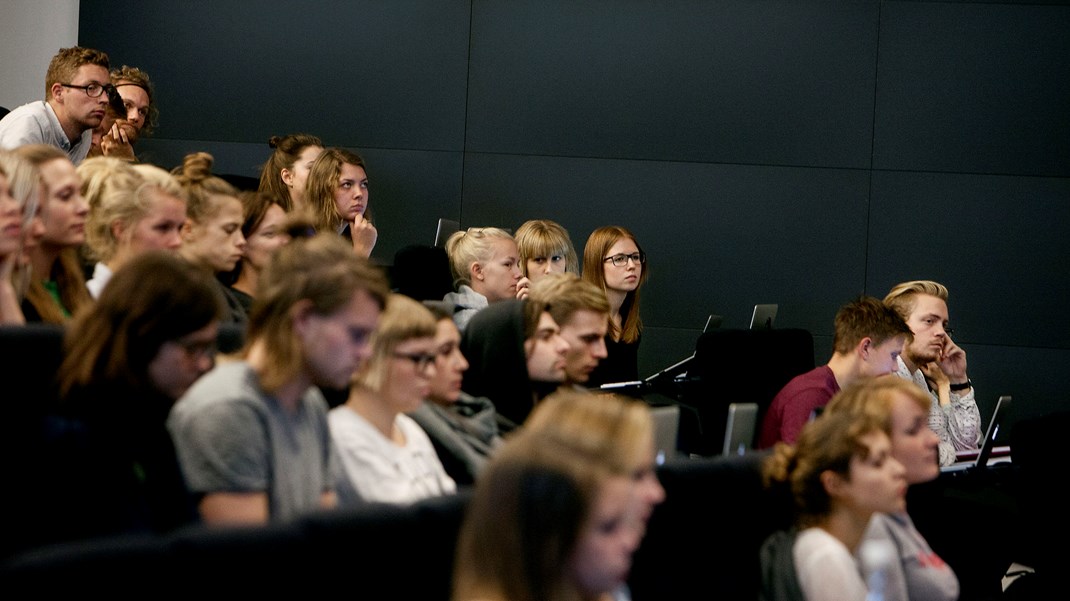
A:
<point x="383" y="454"/>
<point x="486" y="269"/>
<point x="614" y="261"/>
<point x="545" y="247"/>
<point x="337" y="195"/>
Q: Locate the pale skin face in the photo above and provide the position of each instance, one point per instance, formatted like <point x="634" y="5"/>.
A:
<point x="603" y="554"/>
<point x="159" y="229"/>
<point x="66" y="209"/>
<point x="647" y="491"/>
<point x="624" y="278"/>
<point x="545" y="351"/>
<point x="297" y="178"/>
<point x="263" y="241"/>
<point x="351" y="194"/>
<point x="77" y="111"/>
<point x="407" y="384"/>
<point x="136" y="101"/>
<point x="874" y="483"/>
<point x="585" y="332"/>
<point x="336" y="344"/>
<point x="914" y="444"/>
<point x="881" y="359"/>
<point x="179" y="363"/>
<point x="450" y="364"/>
<point x="10" y="220"/>
<point x="497" y="277"/>
<point x="540" y="266"/>
<point x="218" y="243"/>
<point x="929" y="323"/>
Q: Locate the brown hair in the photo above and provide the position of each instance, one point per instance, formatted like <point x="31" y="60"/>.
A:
<point x="323" y="270"/>
<point x="828" y="443"/>
<point x="65" y="64"/>
<point x="867" y="317"/>
<point x="286" y="151"/>
<point x="322" y="181"/>
<point x="132" y="76"/>
<point x="875" y="397"/>
<point x="545" y="238"/>
<point x="565" y="293"/>
<point x="154" y="298"/>
<point x="903" y="296"/>
<point x="594" y="271"/>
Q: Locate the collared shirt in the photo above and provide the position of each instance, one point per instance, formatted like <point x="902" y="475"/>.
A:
<point x="958" y="425"/>
<point x="37" y="123"/>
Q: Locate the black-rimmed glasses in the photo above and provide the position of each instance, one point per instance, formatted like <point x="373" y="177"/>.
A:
<point x="420" y="360"/>
<point x="93" y="90"/>
<point x="620" y="260"/>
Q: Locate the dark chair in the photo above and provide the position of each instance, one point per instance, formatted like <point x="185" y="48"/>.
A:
<point x="422" y="272"/>
<point x="743" y="366"/>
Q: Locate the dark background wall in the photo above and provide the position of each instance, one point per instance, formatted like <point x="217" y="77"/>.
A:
<point x="799" y="152"/>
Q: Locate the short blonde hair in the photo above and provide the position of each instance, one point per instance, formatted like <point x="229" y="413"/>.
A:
<point x="565" y="293"/>
<point x="473" y="245"/>
<point x="903" y="296"/>
<point x="545" y="238"/>
<point x="402" y="319"/>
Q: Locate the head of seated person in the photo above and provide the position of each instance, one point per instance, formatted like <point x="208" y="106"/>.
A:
<point x="485" y="260"/>
<point x="211" y="237"/>
<point x="545" y="247"/>
<point x="582" y="312"/>
<point x="285" y="173"/>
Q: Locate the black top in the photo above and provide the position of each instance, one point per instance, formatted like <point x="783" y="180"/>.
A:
<point x="620" y="365"/>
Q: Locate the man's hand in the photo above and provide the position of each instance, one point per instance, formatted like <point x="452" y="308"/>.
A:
<point x="364" y="235"/>
<point x="938" y="381"/>
<point x="119" y="141"/>
<point x="953" y="361"/>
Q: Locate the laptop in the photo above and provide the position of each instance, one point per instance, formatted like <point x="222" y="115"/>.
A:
<point x="988" y="445"/>
<point x="762" y="317"/>
<point x="739" y="429"/>
<point x="666" y="431"/>
<point x="676" y="370"/>
<point x="443" y="230"/>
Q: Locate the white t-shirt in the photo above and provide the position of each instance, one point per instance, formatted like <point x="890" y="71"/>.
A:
<point x="826" y="569"/>
<point x="372" y="468"/>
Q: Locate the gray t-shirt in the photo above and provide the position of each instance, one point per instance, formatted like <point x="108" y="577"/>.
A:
<point x="919" y="574"/>
<point x="231" y="436"/>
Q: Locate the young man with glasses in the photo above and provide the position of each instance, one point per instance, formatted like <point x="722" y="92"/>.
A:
<point x="77" y="88"/>
<point x="937" y="365"/>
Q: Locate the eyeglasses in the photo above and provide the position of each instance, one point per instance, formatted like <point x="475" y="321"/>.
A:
<point x="93" y="90"/>
<point x="622" y="259"/>
<point x="420" y="360"/>
<point x="196" y="349"/>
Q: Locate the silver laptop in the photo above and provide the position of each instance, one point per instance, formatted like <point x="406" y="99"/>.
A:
<point x="762" y="317"/>
<point x="666" y="430"/>
<point x="739" y="429"/>
<point x="989" y="442"/>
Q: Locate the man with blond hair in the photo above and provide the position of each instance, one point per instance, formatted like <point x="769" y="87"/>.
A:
<point x="869" y="337"/>
<point x="936" y="364"/>
<point x="77" y="88"/>
<point x="582" y="312"/>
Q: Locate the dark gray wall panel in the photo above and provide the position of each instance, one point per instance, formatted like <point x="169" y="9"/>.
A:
<point x="999" y="243"/>
<point x="720" y="238"/>
<point x="1033" y="376"/>
<point x="978" y="88"/>
<point x="783" y="82"/>
<point x="410" y="190"/>
<point x="356" y="73"/>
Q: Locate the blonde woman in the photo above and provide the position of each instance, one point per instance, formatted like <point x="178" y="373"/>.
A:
<point x="486" y="269"/>
<point x="20" y="192"/>
<point x="545" y="247"/>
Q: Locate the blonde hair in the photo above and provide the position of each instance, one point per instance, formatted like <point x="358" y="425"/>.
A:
<point x="323" y="270"/>
<point x="473" y="245"/>
<point x="195" y="177"/>
<point x="545" y="238"/>
<point x="111" y="187"/>
<point x="903" y="296"/>
<point x="402" y="319"/>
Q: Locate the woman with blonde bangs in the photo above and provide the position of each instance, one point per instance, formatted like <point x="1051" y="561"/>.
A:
<point x="211" y="236"/>
<point x="383" y="454"/>
<point x="545" y="247"/>
<point x="903" y="410"/>
<point x="285" y="174"/>
<point x="337" y="194"/>
<point x="840" y="473"/>
<point x="128" y="215"/>
<point x="486" y="269"/>
<point x="614" y="261"/>
<point x="20" y="191"/>
<point x="57" y="287"/>
<point x="546" y="523"/>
